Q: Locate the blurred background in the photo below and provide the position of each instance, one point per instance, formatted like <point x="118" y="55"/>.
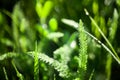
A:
<point x="23" y="22"/>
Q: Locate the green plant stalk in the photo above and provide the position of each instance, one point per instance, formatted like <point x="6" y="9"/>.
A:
<point x="5" y="73"/>
<point x="36" y="64"/>
<point x="82" y="59"/>
<point x="118" y="59"/>
<point x="19" y="75"/>
<point x="108" y="67"/>
<point x="83" y="45"/>
<point x="90" y="78"/>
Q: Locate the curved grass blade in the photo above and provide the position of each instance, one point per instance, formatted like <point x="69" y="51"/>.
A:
<point x="19" y="75"/>
<point x="8" y="55"/>
<point x="96" y="25"/>
<point x="75" y="25"/>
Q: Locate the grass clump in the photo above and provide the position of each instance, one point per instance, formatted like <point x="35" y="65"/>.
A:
<point x="84" y="51"/>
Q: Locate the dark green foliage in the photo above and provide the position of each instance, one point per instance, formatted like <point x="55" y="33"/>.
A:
<point x="87" y="50"/>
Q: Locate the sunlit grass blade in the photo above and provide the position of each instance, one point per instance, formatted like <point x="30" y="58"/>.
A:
<point x="108" y="67"/>
<point x="103" y="45"/>
<point x="112" y="32"/>
<point x="5" y="73"/>
<point x="19" y="75"/>
<point x="96" y="25"/>
<point x="8" y="55"/>
<point x="92" y="73"/>
<point x="113" y="25"/>
<point x="54" y="35"/>
<point x="70" y="22"/>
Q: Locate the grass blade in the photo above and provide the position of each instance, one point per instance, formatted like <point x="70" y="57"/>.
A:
<point x="90" y="78"/>
<point x="75" y="25"/>
<point x="8" y="55"/>
<point x="19" y="75"/>
<point x="5" y="73"/>
<point x="96" y="25"/>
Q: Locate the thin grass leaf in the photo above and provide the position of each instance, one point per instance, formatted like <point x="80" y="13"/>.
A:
<point x="70" y="22"/>
<point x="112" y="33"/>
<point x="54" y="35"/>
<point x="54" y="77"/>
<point x="96" y="25"/>
<point x="5" y="73"/>
<point x="7" y="42"/>
<point x="108" y="67"/>
<point x="7" y="13"/>
<point x="113" y="26"/>
<point x="92" y="73"/>
<point x="17" y="16"/>
<point x="8" y="55"/>
<point x="103" y="45"/>
<point x="36" y="64"/>
<point x="19" y="75"/>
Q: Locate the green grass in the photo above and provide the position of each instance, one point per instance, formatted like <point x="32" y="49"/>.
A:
<point x="5" y="73"/>
<point x="60" y="40"/>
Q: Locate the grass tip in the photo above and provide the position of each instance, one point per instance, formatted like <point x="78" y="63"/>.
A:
<point x="86" y="12"/>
